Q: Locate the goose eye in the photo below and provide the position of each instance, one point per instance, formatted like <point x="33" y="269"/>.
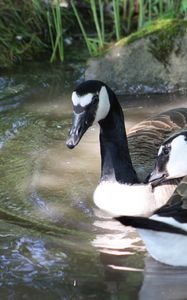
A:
<point x="95" y="99"/>
<point x="166" y="150"/>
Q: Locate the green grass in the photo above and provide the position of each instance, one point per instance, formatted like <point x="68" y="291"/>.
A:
<point x="157" y="26"/>
<point x="54" y="19"/>
<point x="117" y="22"/>
<point x="86" y="38"/>
<point x="34" y="29"/>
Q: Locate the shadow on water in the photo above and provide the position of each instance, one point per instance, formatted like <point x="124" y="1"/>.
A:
<point x="54" y="243"/>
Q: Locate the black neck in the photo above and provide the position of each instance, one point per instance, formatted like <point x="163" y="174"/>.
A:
<point x="116" y="164"/>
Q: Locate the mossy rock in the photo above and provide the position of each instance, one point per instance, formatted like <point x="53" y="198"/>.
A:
<point x="152" y="60"/>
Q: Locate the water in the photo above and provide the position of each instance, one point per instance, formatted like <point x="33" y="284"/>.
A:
<point x="53" y="242"/>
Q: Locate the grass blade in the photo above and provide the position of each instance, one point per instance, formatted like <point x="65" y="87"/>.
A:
<point x="117" y="19"/>
<point x="81" y="26"/>
<point x="96" y="21"/>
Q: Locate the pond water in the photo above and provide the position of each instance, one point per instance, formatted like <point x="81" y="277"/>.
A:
<point x="54" y="243"/>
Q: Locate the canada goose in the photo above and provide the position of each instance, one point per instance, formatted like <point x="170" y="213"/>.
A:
<point x="165" y="232"/>
<point x="93" y="101"/>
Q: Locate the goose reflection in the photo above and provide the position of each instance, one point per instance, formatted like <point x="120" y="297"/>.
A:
<point x="126" y="265"/>
<point x="113" y="238"/>
<point x="163" y="282"/>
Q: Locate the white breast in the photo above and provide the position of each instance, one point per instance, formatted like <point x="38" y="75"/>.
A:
<point x="123" y="199"/>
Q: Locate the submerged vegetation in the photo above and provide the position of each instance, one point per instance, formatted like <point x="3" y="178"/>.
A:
<point x="33" y="28"/>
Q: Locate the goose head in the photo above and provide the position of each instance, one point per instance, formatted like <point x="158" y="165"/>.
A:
<point x="171" y="161"/>
<point x="91" y="104"/>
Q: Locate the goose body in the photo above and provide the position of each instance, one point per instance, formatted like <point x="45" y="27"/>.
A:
<point x="165" y="238"/>
<point x="93" y="101"/>
<point x="165" y="232"/>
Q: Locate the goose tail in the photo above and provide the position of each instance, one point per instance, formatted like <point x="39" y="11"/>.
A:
<point x="149" y="224"/>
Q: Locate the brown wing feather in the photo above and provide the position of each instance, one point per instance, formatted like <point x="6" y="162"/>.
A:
<point x="176" y="206"/>
<point x="180" y="194"/>
<point x="146" y="137"/>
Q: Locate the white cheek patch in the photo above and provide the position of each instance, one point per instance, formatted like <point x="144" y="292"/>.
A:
<point x="160" y="150"/>
<point x="81" y="100"/>
<point x="177" y="164"/>
<point x="103" y="105"/>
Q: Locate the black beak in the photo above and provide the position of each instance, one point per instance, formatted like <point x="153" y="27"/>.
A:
<point x="157" y="177"/>
<point x="77" y="130"/>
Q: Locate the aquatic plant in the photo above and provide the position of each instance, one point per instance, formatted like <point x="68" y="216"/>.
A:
<point x="81" y="27"/>
<point x="31" y="28"/>
<point x="98" y="41"/>
<point x="22" y="33"/>
<point x="54" y="19"/>
<point x="116" y="7"/>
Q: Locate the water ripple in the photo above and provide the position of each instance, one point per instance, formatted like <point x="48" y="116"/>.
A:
<point x="11" y="131"/>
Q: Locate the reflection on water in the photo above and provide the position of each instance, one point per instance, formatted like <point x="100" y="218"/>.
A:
<point x="167" y="282"/>
<point x="65" y="248"/>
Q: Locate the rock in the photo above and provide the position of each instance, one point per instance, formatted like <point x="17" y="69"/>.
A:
<point x="153" y="60"/>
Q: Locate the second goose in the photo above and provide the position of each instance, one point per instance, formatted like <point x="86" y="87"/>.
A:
<point x="165" y="232"/>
